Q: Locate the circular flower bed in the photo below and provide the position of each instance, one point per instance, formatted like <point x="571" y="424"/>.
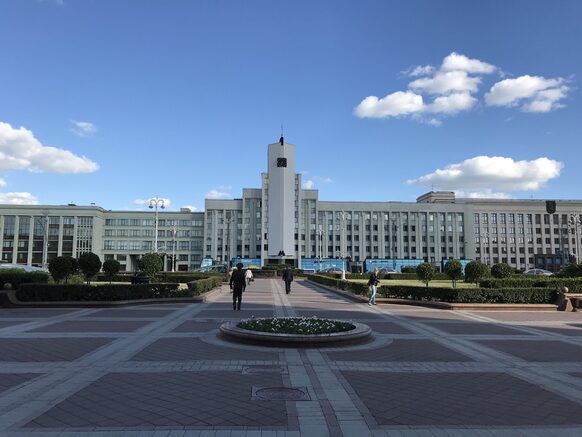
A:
<point x="296" y="331"/>
<point x="296" y="325"/>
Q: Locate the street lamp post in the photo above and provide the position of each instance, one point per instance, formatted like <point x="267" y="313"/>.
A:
<point x="393" y="220"/>
<point x="574" y="223"/>
<point x="342" y="225"/>
<point x="156" y="203"/>
<point x="174" y="249"/>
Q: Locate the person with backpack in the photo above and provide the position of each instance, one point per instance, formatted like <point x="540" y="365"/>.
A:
<point x="237" y="285"/>
<point x="373" y="284"/>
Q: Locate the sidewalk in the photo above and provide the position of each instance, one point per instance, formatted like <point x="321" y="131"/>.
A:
<point x="161" y="370"/>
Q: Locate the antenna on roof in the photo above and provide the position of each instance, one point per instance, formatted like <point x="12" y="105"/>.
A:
<point x="281" y="140"/>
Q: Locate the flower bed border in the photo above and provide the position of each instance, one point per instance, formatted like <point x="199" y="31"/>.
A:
<point x="360" y="333"/>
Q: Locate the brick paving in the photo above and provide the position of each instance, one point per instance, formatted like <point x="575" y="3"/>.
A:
<point x="163" y="370"/>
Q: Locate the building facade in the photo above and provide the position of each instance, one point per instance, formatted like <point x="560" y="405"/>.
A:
<point x="283" y="223"/>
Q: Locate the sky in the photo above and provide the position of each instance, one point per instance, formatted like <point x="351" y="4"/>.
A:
<point x="115" y="102"/>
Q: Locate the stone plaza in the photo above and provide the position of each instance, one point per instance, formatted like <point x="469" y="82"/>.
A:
<point x="163" y="370"/>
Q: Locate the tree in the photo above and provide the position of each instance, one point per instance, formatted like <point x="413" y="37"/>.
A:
<point x="90" y="264"/>
<point x="475" y="271"/>
<point x="425" y="272"/>
<point x="111" y="268"/>
<point x="151" y="263"/>
<point x="501" y="270"/>
<point x="572" y="270"/>
<point x="60" y="268"/>
<point x="74" y="265"/>
<point x="454" y="270"/>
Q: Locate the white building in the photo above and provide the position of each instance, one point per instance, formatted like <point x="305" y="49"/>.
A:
<point x="281" y="222"/>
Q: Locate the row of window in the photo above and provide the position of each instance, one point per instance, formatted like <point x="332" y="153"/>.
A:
<point x="151" y="222"/>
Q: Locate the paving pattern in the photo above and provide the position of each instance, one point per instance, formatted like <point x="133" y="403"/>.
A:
<point x="163" y="371"/>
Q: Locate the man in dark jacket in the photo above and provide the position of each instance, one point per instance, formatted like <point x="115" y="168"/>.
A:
<point x="288" y="278"/>
<point x="237" y="285"/>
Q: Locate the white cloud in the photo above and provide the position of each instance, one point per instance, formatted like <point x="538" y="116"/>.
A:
<point x="20" y="150"/>
<point x="18" y="199"/>
<point x="434" y="122"/>
<point x="216" y="194"/>
<point x="420" y="70"/>
<point x="308" y="185"/>
<point x="485" y="194"/>
<point x="146" y="202"/>
<point x="83" y="128"/>
<point x="395" y="104"/>
<point x="458" y="62"/>
<point x="191" y="208"/>
<point x="534" y="93"/>
<point x="2" y="183"/>
<point x="446" y="82"/>
<point x="452" y="103"/>
<point x="495" y="174"/>
<point x="327" y="181"/>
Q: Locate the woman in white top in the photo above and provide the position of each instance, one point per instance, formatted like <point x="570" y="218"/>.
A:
<point x="249" y="276"/>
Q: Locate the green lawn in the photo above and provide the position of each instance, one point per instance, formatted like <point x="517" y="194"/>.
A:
<point x="441" y="283"/>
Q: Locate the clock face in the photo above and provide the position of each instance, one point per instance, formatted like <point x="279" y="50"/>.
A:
<point x="281" y="162"/>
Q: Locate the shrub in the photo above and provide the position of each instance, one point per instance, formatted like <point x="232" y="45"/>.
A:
<point x="553" y="283"/>
<point x="16" y="277"/>
<point x="425" y="272"/>
<point x="151" y="263"/>
<point x="90" y="264"/>
<point x="475" y="271"/>
<point x="111" y="268"/>
<point x="501" y="270"/>
<point x="408" y="269"/>
<point x="60" y="268"/>
<point x="108" y="292"/>
<point x="454" y="270"/>
<point x="202" y="285"/>
<point x="572" y="270"/>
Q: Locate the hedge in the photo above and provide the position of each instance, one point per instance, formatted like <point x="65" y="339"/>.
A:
<point x="166" y="277"/>
<point x="434" y="294"/>
<point x="556" y="284"/>
<point x="406" y="276"/>
<point x="19" y="276"/>
<point x="202" y="285"/>
<point x="106" y="292"/>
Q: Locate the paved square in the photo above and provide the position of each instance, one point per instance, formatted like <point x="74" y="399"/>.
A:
<point x="48" y="349"/>
<point x="546" y="350"/>
<point x="167" y="399"/>
<point x="164" y="371"/>
<point x="193" y="349"/>
<point x="492" y="399"/>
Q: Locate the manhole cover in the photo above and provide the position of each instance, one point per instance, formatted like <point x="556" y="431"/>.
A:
<point x="261" y="393"/>
<point x="254" y="370"/>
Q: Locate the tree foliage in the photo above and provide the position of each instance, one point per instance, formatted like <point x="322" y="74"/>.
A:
<point x="60" y="268"/>
<point x="111" y="268"/>
<point x="501" y="270"/>
<point x="572" y="270"/>
<point x="454" y="270"/>
<point x="90" y="264"/>
<point x="475" y="271"/>
<point x="425" y="272"/>
<point x="151" y="263"/>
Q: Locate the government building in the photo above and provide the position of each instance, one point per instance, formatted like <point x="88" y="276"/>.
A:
<point x="280" y="222"/>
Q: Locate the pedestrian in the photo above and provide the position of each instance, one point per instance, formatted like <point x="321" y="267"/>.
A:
<point x="373" y="284"/>
<point x="288" y="278"/>
<point x="237" y="285"/>
<point x="249" y="276"/>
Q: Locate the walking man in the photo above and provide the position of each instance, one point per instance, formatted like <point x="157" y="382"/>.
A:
<point x="249" y="276"/>
<point x="237" y="285"/>
<point x="373" y="284"/>
<point x="288" y="278"/>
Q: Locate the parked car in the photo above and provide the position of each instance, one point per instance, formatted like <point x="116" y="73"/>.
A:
<point x="385" y="270"/>
<point x="22" y="267"/>
<point x="538" y="272"/>
<point x="332" y="270"/>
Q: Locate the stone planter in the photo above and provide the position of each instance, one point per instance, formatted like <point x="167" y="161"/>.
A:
<point x="360" y="333"/>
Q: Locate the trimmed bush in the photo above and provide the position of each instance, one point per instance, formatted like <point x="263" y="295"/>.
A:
<point x="19" y="276"/>
<point x="408" y="269"/>
<point x="550" y="282"/>
<point x="60" y="268"/>
<point x="108" y="292"/>
<point x="111" y="268"/>
<point x="501" y="270"/>
<point x="475" y="271"/>
<point x="425" y="273"/>
<point x="572" y="270"/>
<point x="202" y="285"/>
<point x="454" y="270"/>
<point x="90" y="264"/>
<point x="151" y="263"/>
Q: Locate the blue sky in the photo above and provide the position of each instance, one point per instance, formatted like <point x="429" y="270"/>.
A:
<point x="117" y="101"/>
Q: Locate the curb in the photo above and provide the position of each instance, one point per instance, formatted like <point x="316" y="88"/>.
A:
<point x="8" y="299"/>
<point x="443" y="305"/>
